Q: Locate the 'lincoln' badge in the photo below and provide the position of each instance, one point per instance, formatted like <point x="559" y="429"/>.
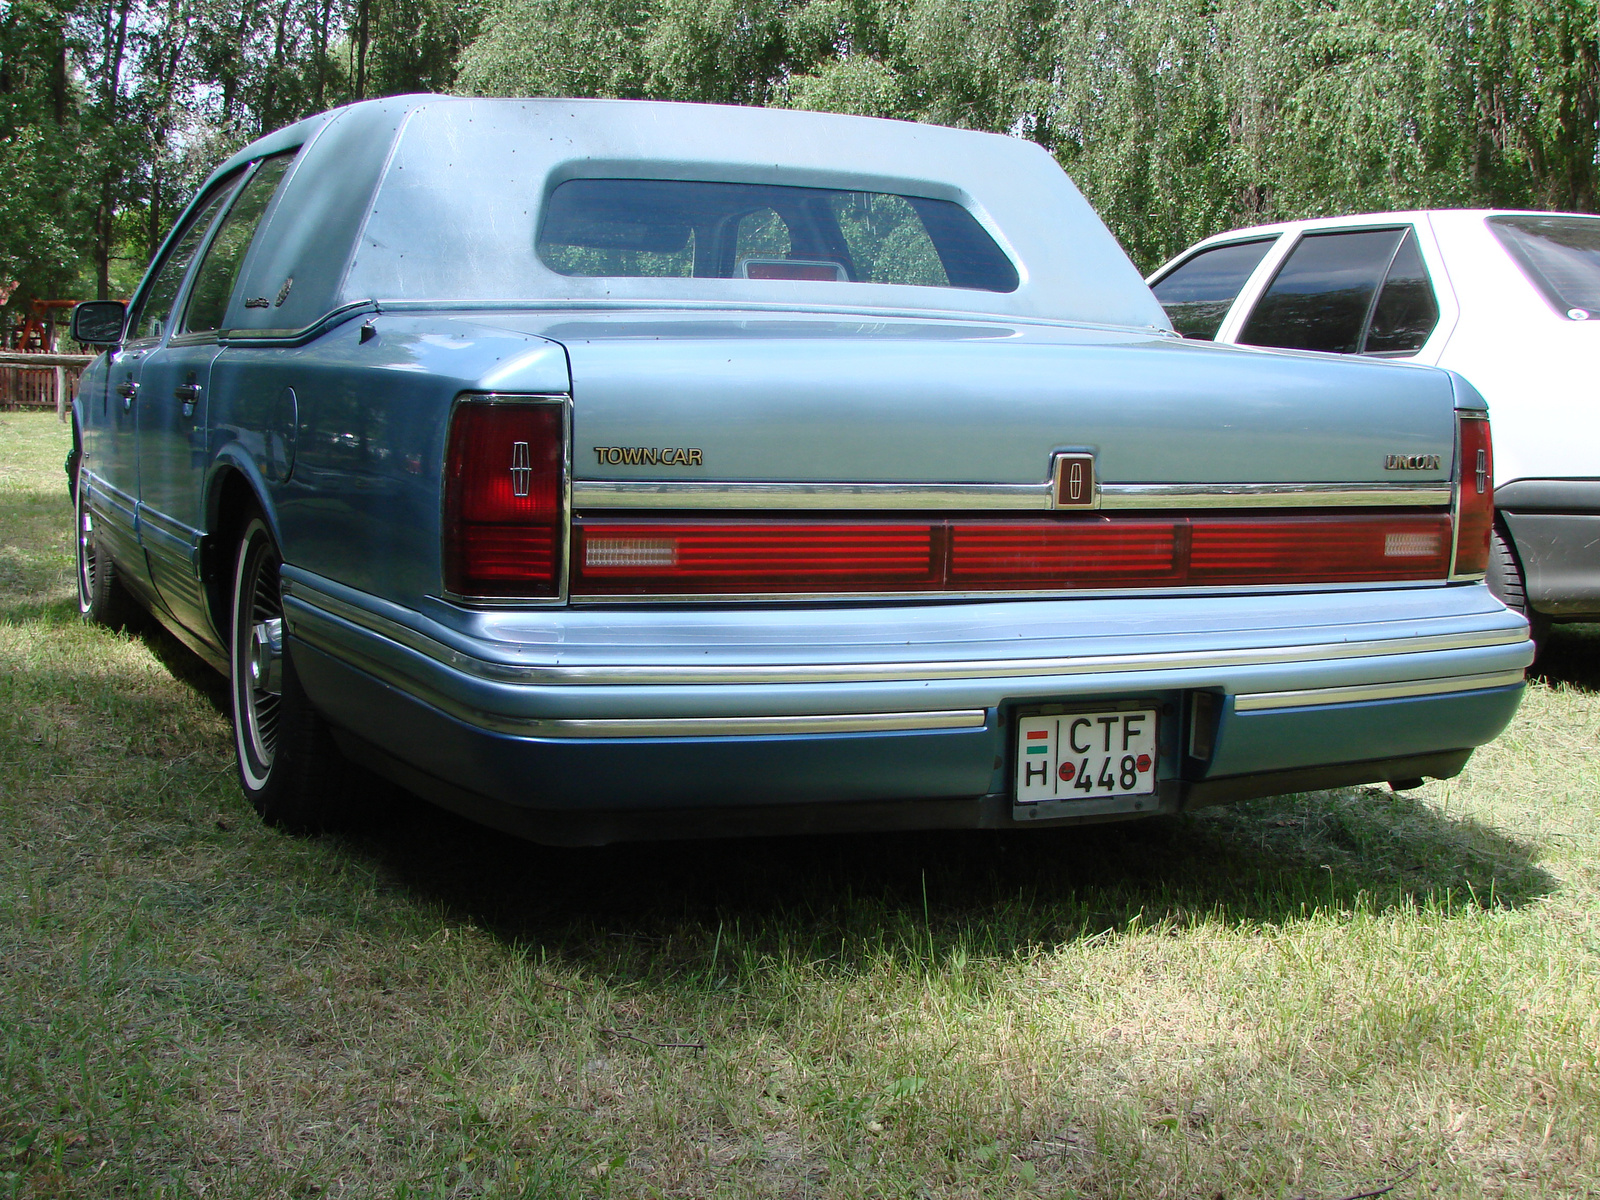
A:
<point x="1411" y="462"/>
<point x="1074" y="481"/>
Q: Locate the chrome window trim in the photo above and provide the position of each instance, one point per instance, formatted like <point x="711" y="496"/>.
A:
<point x="1268" y="701"/>
<point x="1009" y="497"/>
<point x="301" y="593"/>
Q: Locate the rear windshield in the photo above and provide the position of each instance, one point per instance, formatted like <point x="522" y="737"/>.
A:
<point x="1561" y="255"/>
<point x="661" y="228"/>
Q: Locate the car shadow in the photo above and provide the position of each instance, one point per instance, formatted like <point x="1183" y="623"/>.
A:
<point x="636" y="910"/>
<point x="184" y="664"/>
<point x="1571" y="655"/>
<point x="611" y="910"/>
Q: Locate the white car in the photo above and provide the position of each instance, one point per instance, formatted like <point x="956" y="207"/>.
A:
<point x="1510" y="300"/>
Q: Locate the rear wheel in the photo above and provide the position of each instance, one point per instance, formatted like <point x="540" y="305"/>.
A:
<point x="288" y="763"/>
<point x="1507" y="582"/>
<point x="101" y="596"/>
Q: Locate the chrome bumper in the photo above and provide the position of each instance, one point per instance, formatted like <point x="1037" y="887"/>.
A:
<point x="743" y="673"/>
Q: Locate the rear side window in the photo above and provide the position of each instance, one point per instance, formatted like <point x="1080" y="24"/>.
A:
<point x="1560" y="255"/>
<point x="1198" y="294"/>
<point x="1362" y="291"/>
<point x="219" y="270"/>
<point x="666" y="228"/>
<point x="1406" y="311"/>
<point x="155" y="306"/>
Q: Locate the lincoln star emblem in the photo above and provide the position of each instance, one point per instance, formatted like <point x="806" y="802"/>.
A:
<point x="1411" y="462"/>
<point x="521" y="469"/>
<point x="1075" y="482"/>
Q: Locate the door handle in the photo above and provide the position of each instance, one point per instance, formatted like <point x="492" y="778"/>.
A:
<point x="127" y="389"/>
<point x="188" y="393"/>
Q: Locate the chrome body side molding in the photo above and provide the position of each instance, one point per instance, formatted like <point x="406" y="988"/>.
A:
<point x="1265" y="701"/>
<point x="715" y="495"/>
<point x="784" y="726"/>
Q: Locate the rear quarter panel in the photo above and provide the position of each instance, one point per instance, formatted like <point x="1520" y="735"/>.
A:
<point x="1539" y="370"/>
<point x="366" y="423"/>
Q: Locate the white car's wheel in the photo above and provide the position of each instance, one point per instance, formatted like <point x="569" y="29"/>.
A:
<point x="1507" y="582"/>
<point x="288" y="763"/>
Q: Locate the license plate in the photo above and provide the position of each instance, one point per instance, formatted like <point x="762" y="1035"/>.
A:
<point x="1083" y="755"/>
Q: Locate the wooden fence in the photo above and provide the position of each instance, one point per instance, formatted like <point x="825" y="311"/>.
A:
<point x="40" y="380"/>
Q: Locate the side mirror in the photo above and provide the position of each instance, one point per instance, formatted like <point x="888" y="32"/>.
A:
<point x="99" y="322"/>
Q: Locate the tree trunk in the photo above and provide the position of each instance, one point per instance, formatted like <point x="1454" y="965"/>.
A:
<point x="105" y="217"/>
<point x="362" y="18"/>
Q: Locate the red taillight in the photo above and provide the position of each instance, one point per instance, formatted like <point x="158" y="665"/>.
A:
<point x="728" y="557"/>
<point x="503" y="511"/>
<point x="1320" y="549"/>
<point x="738" y="556"/>
<point x="1088" y="552"/>
<point x="1474" y="495"/>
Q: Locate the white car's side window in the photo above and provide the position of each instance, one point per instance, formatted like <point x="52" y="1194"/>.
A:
<point x="1198" y="294"/>
<point x="1407" y="309"/>
<point x="1362" y="291"/>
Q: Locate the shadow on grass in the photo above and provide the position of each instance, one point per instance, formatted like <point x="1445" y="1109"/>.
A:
<point x="636" y="911"/>
<point x="633" y="911"/>
<point x="1571" y="655"/>
<point x="186" y="666"/>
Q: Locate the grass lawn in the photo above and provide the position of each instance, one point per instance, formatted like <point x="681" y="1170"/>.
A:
<point x="1315" y="996"/>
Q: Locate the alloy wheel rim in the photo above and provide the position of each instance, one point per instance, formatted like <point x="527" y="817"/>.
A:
<point x="88" y="564"/>
<point x="260" y="654"/>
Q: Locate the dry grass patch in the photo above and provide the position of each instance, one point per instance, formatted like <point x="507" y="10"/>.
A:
<point x="1306" y="997"/>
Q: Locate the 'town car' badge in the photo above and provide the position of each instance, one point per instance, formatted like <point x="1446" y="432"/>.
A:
<point x="649" y="456"/>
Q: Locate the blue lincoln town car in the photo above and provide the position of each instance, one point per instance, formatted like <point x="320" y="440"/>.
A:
<point x="607" y="470"/>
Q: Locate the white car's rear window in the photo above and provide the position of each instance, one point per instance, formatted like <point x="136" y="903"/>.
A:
<point x="1560" y="255"/>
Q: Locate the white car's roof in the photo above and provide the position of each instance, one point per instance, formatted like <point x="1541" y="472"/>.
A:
<point x="1351" y="220"/>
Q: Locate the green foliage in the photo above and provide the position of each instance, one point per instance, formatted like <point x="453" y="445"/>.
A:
<point x="1178" y="118"/>
<point x="112" y="112"/>
<point x="37" y="238"/>
<point x="584" y="48"/>
<point x="857" y="84"/>
<point x="40" y="213"/>
<point x="1493" y="102"/>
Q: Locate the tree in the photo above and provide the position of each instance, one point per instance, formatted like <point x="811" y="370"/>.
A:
<point x="1178" y="118"/>
<point x="41" y="204"/>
